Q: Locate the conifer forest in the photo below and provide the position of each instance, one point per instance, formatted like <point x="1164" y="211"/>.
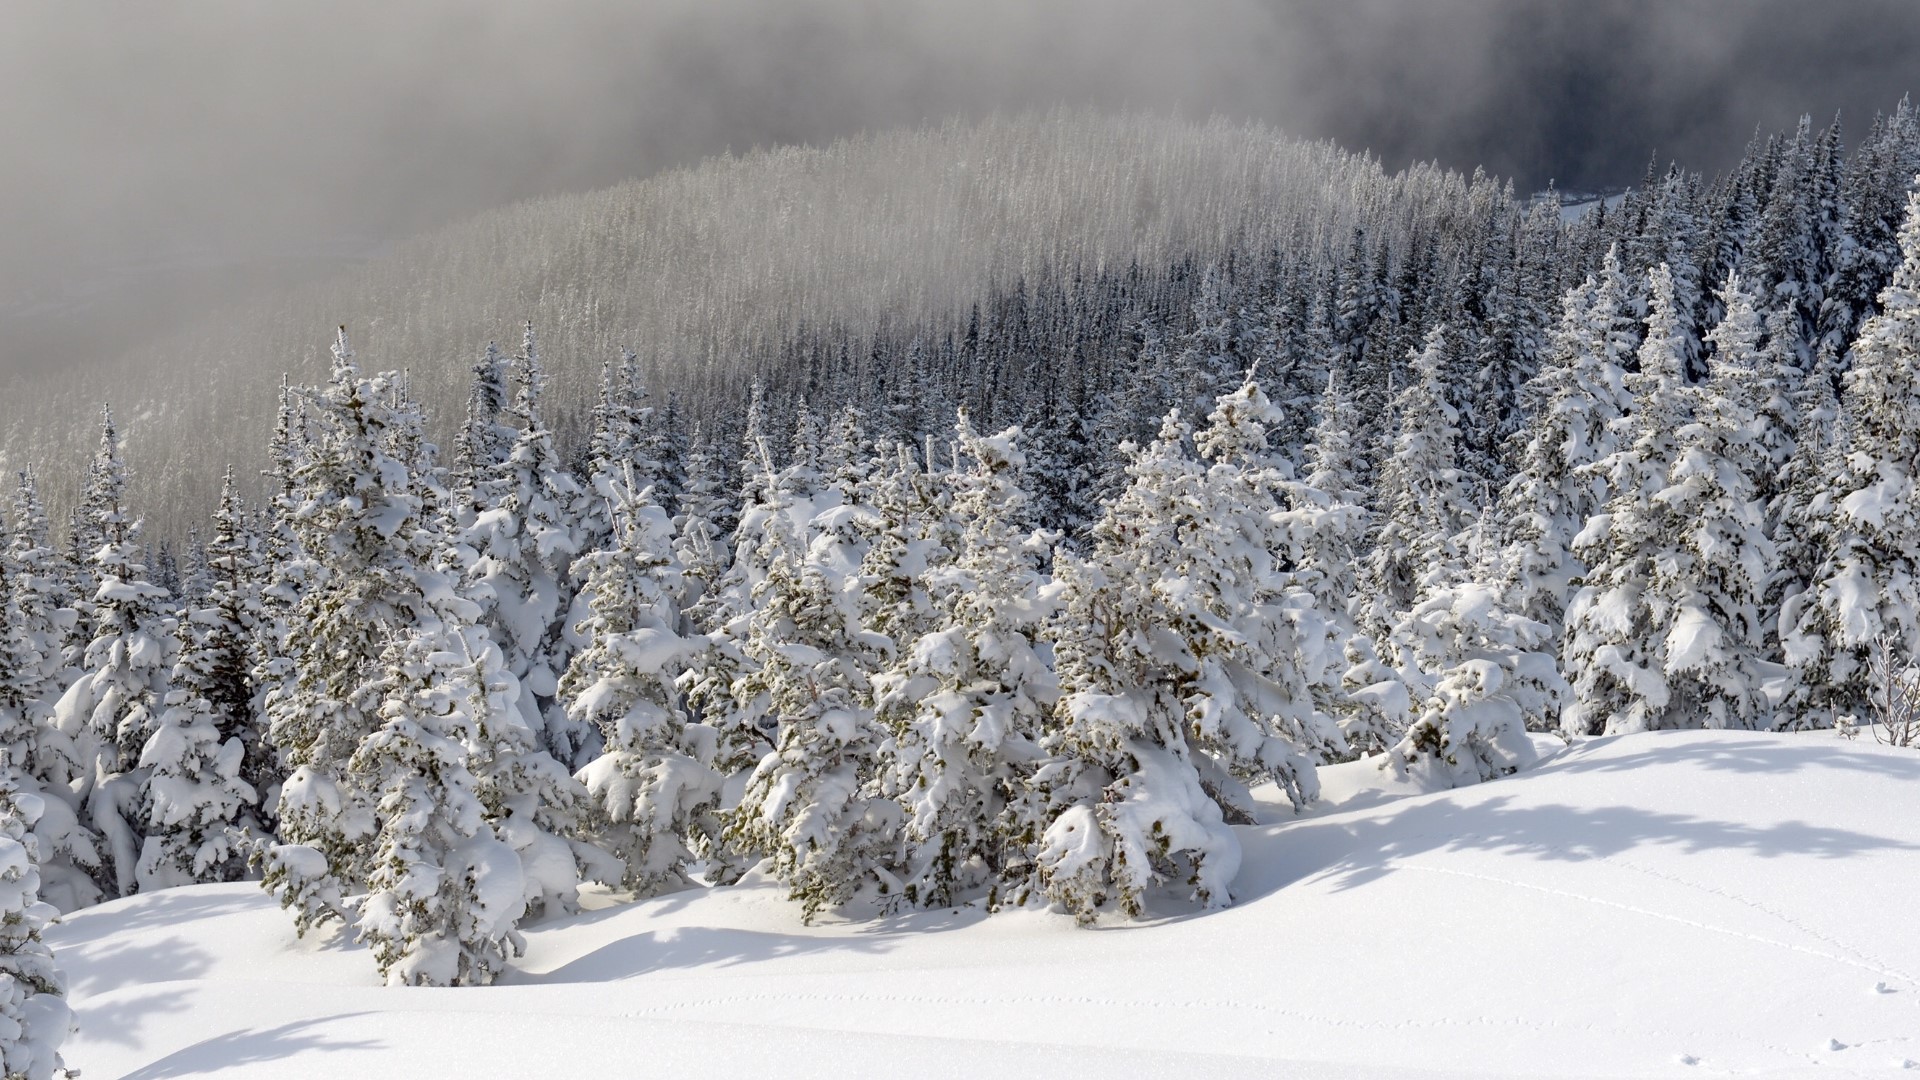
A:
<point x="1056" y="523"/>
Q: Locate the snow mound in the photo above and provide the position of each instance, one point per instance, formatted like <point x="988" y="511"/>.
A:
<point x="1673" y="904"/>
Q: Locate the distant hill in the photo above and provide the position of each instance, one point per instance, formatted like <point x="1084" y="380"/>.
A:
<point x="704" y="270"/>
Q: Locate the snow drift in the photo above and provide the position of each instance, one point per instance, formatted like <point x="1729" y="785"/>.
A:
<point x="1670" y="904"/>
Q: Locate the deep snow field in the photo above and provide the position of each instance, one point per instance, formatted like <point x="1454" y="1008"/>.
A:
<point x="1681" y="904"/>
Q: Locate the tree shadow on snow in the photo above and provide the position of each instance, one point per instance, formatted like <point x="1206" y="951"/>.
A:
<point x="253" y="1047"/>
<point x="167" y="908"/>
<point x="1355" y="852"/>
<point x="1750" y="756"/>
<point x="134" y="962"/>
<point x="688" y="947"/>
<point x="120" y="1021"/>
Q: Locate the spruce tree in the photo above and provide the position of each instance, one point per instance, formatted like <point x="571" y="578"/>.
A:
<point x="1615" y="655"/>
<point x="196" y="803"/>
<point x="114" y="706"/>
<point x="524" y="538"/>
<point x="1165" y="679"/>
<point x="809" y="806"/>
<point x="355" y="513"/>
<point x="1711" y="583"/>
<point x="964" y="702"/>
<point x="1423" y="503"/>
<point x="443" y="892"/>
<point x="1867" y="586"/>
<point x="654" y="793"/>
<point x="1578" y="399"/>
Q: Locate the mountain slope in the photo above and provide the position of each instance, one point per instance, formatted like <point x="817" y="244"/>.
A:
<point x="1650" y="905"/>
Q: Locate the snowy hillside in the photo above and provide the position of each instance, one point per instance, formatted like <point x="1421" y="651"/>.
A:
<point x="1672" y="904"/>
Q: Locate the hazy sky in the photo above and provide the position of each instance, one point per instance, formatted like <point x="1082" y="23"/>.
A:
<point x="236" y="131"/>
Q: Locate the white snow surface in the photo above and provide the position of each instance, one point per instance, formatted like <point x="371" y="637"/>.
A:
<point x="1649" y="905"/>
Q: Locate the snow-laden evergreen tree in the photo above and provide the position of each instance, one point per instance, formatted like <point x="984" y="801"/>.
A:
<point x="531" y="801"/>
<point x="1484" y="677"/>
<point x="287" y="572"/>
<point x="698" y="544"/>
<point x="113" y="707"/>
<point x="525" y="541"/>
<point x="964" y="703"/>
<point x="1777" y="405"/>
<point x="1802" y="532"/>
<point x="1169" y="697"/>
<point x="654" y="793"/>
<point x="614" y="445"/>
<point x="39" y="756"/>
<point x="713" y="683"/>
<point x="661" y="462"/>
<point x="444" y="893"/>
<point x="1292" y="649"/>
<point x="483" y="443"/>
<point x="220" y="638"/>
<point x="1615" y="653"/>
<point x="1577" y="399"/>
<point x="809" y="806"/>
<point x="1785" y="259"/>
<point x="1710" y="584"/>
<point x="1867" y="586"/>
<point x="1325" y="520"/>
<point x="1321" y="530"/>
<point x="356" y="515"/>
<point x="906" y="535"/>
<point x="196" y="802"/>
<point x="35" y="1019"/>
<point x="31" y="663"/>
<point x="1422" y="498"/>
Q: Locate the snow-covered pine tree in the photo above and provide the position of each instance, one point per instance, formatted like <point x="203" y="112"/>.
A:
<point x="906" y="536"/>
<point x="484" y="441"/>
<point x="1867" y="586"/>
<point x="1803" y="528"/>
<point x="654" y="793"/>
<point x="1615" y="655"/>
<point x="1484" y="677"/>
<point x="845" y="458"/>
<point x="34" y="627"/>
<point x="614" y="445"/>
<point x="965" y="701"/>
<point x="39" y="756"/>
<point x="220" y="640"/>
<point x="34" y="1016"/>
<point x="1577" y="399"/>
<point x="1292" y="651"/>
<point x="196" y="804"/>
<point x="1710" y="585"/>
<point x="444" y="893"/>
<point x="1166" y="705"/>
<point x="525" y="539"/>
<point x="1326" y="521"/>
<point x="1422" y="499"/>
<point x="287" y="571"/>
<point x="697" y="543"/>
<point x="355" y="514"/>
<point x="531" y="801"/>
<point x="112" y="708"/>
<point x="808" y="806"/>
<point x="1321" y="530"/>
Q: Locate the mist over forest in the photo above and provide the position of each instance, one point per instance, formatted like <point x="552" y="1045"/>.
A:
<point x="165" y="160"/>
